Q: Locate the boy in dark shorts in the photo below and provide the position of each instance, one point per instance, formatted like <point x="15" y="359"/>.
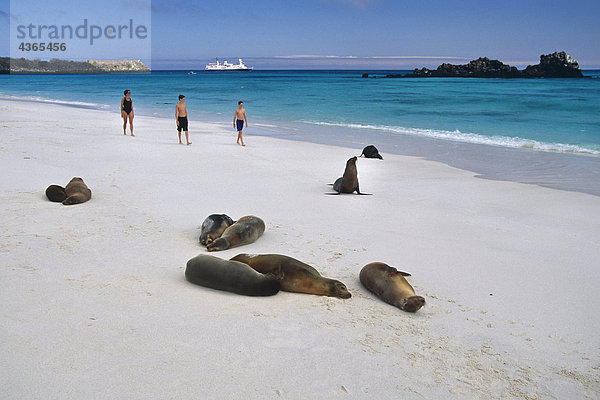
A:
<point x="181" y="118"/>
<point x="238" y="121"/>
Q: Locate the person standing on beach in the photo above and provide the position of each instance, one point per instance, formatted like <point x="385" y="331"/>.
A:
<point x="238" y="121"/>
<point x="127" y="111"/>
<point x="182" y="120"/>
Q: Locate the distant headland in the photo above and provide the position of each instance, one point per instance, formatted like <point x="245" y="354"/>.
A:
<point x="555" y="65"/>
<point x="56" y="66"/>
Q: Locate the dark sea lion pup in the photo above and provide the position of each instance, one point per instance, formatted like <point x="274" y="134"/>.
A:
<point x="213" y="227"/>
<point x="246" y="230"/>
<point x="390" y="286"/>
<point x="348" y="183"/>
<point x="295" y="275"/>
<point x="56" y="193"/>
<point x="371" y="152"/>
<point x="230" y="276"/>
<point x="77" y="192"/>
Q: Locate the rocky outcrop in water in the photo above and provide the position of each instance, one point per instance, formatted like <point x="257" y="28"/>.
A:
<point x="56" y="66"/>
<point x="555" y="65"/>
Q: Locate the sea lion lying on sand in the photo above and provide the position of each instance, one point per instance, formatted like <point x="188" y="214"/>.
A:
<point x="371" y="152"/>
<point x="246" y="230"/>
<point x="213" y="227"/>
<point x="390" y="286"/>
<point x="296" y="276"/>
<point x="230" y="276"/>
<point x="56" y="193"/>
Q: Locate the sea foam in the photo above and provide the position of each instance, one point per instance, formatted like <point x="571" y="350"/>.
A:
<point x="458" y="136"/>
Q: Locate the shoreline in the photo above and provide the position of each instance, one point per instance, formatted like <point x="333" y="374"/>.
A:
<point x="95" y="301"/>
<point x="561" y="170"/>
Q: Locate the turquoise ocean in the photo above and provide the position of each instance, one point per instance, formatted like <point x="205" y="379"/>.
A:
<point x="541" y="131"/>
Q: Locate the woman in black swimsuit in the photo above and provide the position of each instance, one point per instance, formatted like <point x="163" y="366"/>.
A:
<point x="127" y="111"/>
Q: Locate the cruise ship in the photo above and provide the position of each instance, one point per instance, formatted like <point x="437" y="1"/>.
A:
<point x="227" y="66"/>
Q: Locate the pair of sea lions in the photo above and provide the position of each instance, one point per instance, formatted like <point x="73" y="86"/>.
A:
<point x="76" y="192"/>
<point x="254" y="275"/>
<point x="348" y="183"/>
<point x="220" y="232"/>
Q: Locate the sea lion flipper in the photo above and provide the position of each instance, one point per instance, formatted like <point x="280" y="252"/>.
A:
<point x="219" y="244"/>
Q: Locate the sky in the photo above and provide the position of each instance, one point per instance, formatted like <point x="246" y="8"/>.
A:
<point x="351" y="34"/>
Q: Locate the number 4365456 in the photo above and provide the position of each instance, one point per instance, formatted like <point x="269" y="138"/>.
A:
<point x="50" y="46"/>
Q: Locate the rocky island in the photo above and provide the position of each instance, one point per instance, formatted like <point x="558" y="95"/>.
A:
<point x="56" y="66"/>
<point x="555" y="65"/>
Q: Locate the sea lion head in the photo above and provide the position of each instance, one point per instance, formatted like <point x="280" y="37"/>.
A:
<point x="351" y="161"/>
<point x="413" y="303"/>
<point x="338" y="289"/>
<point x="208" y="237"/>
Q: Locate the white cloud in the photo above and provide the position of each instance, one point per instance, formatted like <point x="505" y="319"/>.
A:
<point x="314" y="56"/>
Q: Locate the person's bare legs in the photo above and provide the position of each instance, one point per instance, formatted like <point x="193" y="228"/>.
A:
<point x="131" y="123"/>
<point x="187" y="138"/>
<point x="124" y="116"/>
<point x="240" y="138"/>
<point x="179" y="134"/>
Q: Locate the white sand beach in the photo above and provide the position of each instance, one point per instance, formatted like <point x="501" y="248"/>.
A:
<point x="95" y="304"/>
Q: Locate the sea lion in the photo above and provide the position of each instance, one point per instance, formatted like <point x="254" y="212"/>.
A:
<point x="371" y="152"/>
<point x="295" y="275"/>
<point x="77" y="192"/>
<point x="390" y="286"/>
<point x="348" y="183"/>
<point x="230" y="276"/>
<point x="56" y="193"/>
<point x="213" y="227"/>
<point x="246" y="230"/>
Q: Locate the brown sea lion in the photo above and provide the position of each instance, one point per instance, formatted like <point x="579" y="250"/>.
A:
<point x="348" y="183"/>
<point x="230" y="276"/>
<point x="246" y="230"/>
<point x="77" y="192"/>
<point x="390" y="286"/>
<point x="295" y="275"/>
<point x="213" y="227"/>
<point x="56" y="193"/>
